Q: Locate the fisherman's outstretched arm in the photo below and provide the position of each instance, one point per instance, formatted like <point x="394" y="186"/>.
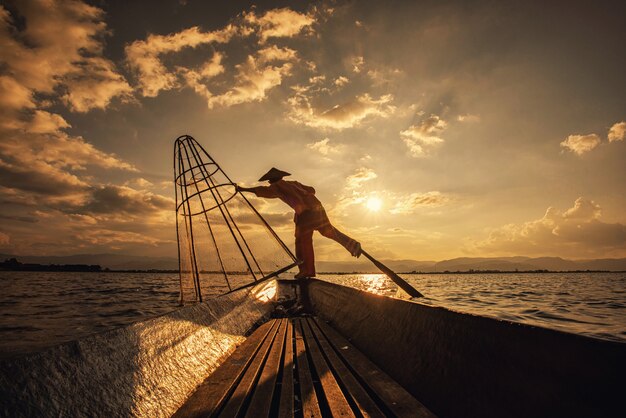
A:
<point x="260" y="191"/>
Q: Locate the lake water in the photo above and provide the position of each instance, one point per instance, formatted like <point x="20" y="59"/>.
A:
<point x="41" y="309"/>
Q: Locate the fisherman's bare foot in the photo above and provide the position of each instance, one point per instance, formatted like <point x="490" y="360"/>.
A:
<point x="303" y="275"/>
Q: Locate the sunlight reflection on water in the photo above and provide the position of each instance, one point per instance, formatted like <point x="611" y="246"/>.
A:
<point x="375" y="283"/>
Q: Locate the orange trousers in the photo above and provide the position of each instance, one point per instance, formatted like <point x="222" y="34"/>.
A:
<point x="307" y="222"/>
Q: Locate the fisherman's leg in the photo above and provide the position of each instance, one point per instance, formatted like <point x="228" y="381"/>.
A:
<point x="329" y="231"/>
<point x="304" y="252"/>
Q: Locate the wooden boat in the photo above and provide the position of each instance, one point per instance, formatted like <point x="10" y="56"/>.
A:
<point x="451" y="364"/>
<point x="445" y="363"/>
<point x="345" y="352"/>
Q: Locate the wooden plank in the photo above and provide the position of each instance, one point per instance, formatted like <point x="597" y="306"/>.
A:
<point x="310" y="406"/>
<point x="264" y="390"/>
<point x="366" y="405"/>
<point x="212" y="393"/>
<point x="339" y="406"/>
<point x="285" y="409"/>
<point x="394" y="396"/>
<point x="235" y="403"/>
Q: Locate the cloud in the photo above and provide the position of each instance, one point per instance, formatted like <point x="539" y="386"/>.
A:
<point x="141" y="183"/>
<point x="94" y="84"/>
<point x="346" y="115"/>
<point x="357" y="64"/>
<point x="104" y="237"/>
<point x="409" y="204"/>
<point x="46" y="123"/>
<point x="255" y="77"/>
<point x="144" y="57"/>
<point x="60" y="45"/>
<point x="56" y="33"/>
<point x="252" y="80"/>
<point x="14" y="96"/>
<point x="468" y="117"/>
<point x="38" y="141"/>
<point x="617" y="132"/>
<point x="68" y="233"/>
<point x="54" y="55"/>
<point x="112" y="199"/>
<point x="341" y="81"/>
<point x="583" y="210"/>
<point x="383" y="75"/>
<point x="279" y="23"/>
<point x="39" y="177"/>
<point x="576" y="232"/>
<point x="423" y="137"/>
<point x="360" y="176"/>
<point x="324" y="147"/>
<point x="106" y="217"/>
<point x="41" y="164"/>
<point x="20" y="218"/>
<point x="580" y="144"/>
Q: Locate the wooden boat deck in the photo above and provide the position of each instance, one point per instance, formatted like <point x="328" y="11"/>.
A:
<point x="299" y="367"/>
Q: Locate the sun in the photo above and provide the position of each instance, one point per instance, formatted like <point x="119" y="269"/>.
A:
<point x="373" y="204"/>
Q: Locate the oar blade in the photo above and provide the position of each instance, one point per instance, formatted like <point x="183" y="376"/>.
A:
<point x="402" y="284"/>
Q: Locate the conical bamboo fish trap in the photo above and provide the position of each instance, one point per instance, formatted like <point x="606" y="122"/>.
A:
<point x="224" y="244"/>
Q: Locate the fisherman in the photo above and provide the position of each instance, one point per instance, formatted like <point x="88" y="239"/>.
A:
<point x="310" y="216"/>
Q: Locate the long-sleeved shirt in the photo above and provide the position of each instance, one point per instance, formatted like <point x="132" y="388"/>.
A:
<point x="296" y="195"/>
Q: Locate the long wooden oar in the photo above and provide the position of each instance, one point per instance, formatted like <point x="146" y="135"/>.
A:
<point x="393" y="276"/>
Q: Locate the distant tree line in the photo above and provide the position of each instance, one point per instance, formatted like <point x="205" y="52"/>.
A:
<point x="12" y="264"/>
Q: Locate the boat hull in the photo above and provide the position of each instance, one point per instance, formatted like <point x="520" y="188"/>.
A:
<point x="462" y="365"/>
<point x="146" y="369"/>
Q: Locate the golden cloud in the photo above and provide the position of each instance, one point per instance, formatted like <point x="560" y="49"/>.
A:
<point x="420" y="139"/>
<point x="617" y="132"/>
<point x="360" y="176"/>
<point x="279" y="23"/>
<point x="324" y="147"/>
<point x="57" y="52"/>
<point x="412" y="202"/>
<point x="255" y="78"/>
<point x="581" y="144"/>
<point x="14" y="96"/>
<point x="94" y="84"/>
<point x="577" y="232"/>
<point x="144" y="57"/>
<point x="59" y="46"/>
<point x="343" y="116"/>
<point x="124" y="200"/>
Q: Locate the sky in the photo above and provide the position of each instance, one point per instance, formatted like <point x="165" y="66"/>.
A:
<point x="429" y="129"/>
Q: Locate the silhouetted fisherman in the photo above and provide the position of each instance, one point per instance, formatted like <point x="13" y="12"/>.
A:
<point x="310" y="216"/>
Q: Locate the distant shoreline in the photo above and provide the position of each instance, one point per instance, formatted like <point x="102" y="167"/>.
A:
<point x="89" y="269"/>
<point x="12" y="264"/>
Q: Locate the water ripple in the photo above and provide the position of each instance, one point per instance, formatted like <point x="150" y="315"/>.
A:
<point x="592" y="304"/>
<point x="40" y="309"/>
